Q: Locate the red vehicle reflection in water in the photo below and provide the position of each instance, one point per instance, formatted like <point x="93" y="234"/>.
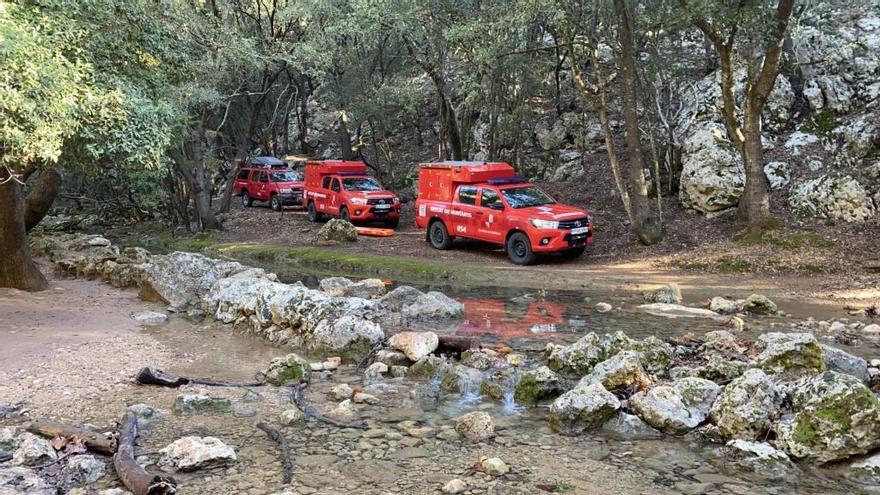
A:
<point x="512" y="320"/>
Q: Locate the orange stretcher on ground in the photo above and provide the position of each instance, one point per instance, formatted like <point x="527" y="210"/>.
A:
<point x="375" y="232"/>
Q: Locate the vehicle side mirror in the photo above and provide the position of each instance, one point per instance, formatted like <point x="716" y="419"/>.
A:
<point x="404" y="200"/>
<point x="498" y="205"/>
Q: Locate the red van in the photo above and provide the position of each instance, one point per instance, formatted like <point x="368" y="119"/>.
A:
<point x="344" y="189"/>
<point x="267" y="178"/>
<point x="489" y="202"/>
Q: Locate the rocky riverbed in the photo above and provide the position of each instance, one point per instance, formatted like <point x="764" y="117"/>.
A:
<point x="721" y="410"/>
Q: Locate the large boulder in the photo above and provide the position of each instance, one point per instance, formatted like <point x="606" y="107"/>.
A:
<point x="676" y="408"/>
<point x="582" y="408"/>
<point x="835" y="416"/>
<point x="747" y="407"/>
<point x="758" y="457"/>
<point x="837" y="198"/>
<point x="191" y="453"/>
<point x="844" y="362"/>
<point x="624" y="369"/>
<point x="712" y="176"/>
<point x="669" y="293"/>
<point x="759" y="304"/>
<point x="337" y="231"/>
<point x="288" y="370"/>
<point x="721" y="343"/>
<point x="789" y="354"/>
<point x="182" y="280"/>
<point x="294" y="315"/>
<point x="343" y="287"/>
<point x="415" y="345"/>
<point x="865" y="471"/>
<point x="576" y="358"/>
<point x="537" y="385"/>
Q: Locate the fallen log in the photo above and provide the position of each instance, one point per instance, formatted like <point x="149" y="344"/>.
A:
<point x="150" y="376"/>
<point x="94" y="441"/>
<point x="286" y="461"/>
<point x="299" y="399"/>
<point x="135" y="478"/>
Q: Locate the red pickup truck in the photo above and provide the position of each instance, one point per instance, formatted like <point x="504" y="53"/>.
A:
<point x="267" y="178"/>
<point x="489" y="202"/>
<point x="344" y="189"/>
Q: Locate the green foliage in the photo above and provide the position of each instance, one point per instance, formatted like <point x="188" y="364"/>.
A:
<point x="41" y="92"/>
<point x="822" y="123"/>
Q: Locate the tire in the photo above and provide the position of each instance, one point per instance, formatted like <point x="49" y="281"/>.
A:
<point x="344" y="214"/>
<point x="439" y="236"/>
<point x="246" y="200"/>
<point x="571" y="254"/>
<point x="276" y="203"/>
<point x="314" y="216"/>
<point x="519" y="249"/>
<point x="392" y="223"/>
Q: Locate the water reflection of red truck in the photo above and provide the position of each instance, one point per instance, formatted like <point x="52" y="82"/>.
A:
<point x="509" y="320"/>
<point x="489" y="202"/>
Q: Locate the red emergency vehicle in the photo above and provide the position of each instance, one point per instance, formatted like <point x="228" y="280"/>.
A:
<point x="489" y="202"/>
<point x="266" y="178"/>
<point x="344" y="189"/>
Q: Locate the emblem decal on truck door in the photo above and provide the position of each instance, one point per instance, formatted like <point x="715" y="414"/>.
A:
<point x="422" y="209"/>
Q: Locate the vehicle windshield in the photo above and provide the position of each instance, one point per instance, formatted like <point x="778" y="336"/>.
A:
<point x="361" y="184"/>
<point x="286" y="176"/>
<point x="523" y="197"/>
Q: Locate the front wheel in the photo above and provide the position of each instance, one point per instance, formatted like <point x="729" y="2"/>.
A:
<point x="519" y="249"/>
<point x="276" y="203"/>
<point x="246" y="200"/>
<point x="314" y="216"/>
<point x="344" y="214"/>
<point x="439" y="236"/>
<point x="392" y="223"/>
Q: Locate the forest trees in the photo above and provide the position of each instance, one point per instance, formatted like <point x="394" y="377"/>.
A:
<point x="753" y="32"/>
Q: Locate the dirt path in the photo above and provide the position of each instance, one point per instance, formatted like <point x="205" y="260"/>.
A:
<point x="74" y="342"/>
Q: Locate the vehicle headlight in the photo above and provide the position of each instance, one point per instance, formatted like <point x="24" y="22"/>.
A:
<point x="544" y="224"/>
<point x="396" y="200"/>
<point x="359" y="201"/>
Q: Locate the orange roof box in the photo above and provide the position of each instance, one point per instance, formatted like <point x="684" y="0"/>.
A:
<point x="315" y="170"/>
<point x="437" y="181"/>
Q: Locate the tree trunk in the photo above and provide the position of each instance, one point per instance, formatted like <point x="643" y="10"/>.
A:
<point x="17" y="268"/>
<point x="41" y="197"/>
<point x="645" y="223"/>
<point x="201" y="187"/>
<point x="755" y="202"/>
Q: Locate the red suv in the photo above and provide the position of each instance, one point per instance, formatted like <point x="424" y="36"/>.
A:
<point x="343" y="189"/>
<point x="488" y="202"/>
<point x="268" y="179"/>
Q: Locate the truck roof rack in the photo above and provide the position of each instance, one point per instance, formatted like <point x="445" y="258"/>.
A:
<point x="516" y="179"/>
<point x="266" y="161"/>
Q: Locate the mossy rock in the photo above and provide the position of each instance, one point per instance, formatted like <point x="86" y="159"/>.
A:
<point x="288" y="370"/>
<point x="538" y="385"/>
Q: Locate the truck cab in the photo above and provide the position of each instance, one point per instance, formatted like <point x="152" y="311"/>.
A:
<point x="344" y="189"/>
<point x="266" y="178"/>
<point x="489" y="202"/>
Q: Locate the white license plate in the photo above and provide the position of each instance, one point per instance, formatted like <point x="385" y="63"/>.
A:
<point x="383" y="207"/>
<point x="580" y="230"/>
<point x="286" y="191"/>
